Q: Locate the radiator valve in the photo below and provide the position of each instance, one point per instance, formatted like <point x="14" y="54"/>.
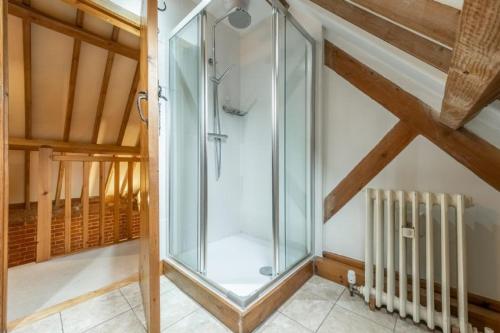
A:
<point x="351" y="279"/>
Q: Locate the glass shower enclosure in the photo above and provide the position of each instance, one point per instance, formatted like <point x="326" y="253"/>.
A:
<point x="241" y="86"/>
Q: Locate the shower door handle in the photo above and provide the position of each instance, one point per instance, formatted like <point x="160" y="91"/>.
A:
<point x="142" y="95"/>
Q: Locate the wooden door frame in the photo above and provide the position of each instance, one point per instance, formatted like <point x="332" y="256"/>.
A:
<point x="149" y="258"/>
<point x="4" y="179"/>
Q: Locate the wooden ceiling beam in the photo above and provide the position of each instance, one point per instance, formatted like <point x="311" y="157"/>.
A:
<point x="70" y="102"/>
<point x="16" y="143"/>
<point x="104" y="88"/>
<point x="37" y="17"/>
<point x="86" y="158"/>
<point x="412" y="43"/>
<point x="400" y="136"/>
<point x="428" y="17"/>
<point x="125" y="118"/>
<point x="476" y="154"/>
<point x="474" y="76"/>
<point x="109" y="12"/>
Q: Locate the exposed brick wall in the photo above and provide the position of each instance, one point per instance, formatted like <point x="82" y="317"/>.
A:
<point x="22" y="229"/>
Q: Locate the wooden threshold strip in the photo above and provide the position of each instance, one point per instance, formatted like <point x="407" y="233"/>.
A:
<point x="476" y="154"/>
<point x="238" y="320"/>
<point x="69" y="303"/>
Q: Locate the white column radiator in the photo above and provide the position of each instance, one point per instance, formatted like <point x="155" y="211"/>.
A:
<point x="380" y="243"/>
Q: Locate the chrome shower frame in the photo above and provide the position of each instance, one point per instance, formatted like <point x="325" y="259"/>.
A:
<point x="278" y="274"/>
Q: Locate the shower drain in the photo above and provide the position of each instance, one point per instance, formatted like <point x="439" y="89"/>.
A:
<point x="266" y="270"/>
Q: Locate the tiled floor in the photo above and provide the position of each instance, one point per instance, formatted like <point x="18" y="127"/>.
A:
<point x="319" y="306"/>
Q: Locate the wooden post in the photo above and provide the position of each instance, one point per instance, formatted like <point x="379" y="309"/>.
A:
<point x="117" y="203"/>
<point x="85" y="203"/>
<point x="130" y="197"/>
<point x="102" y="202"/>
<point x="67" y="206"/>
<point x="44" y="205"/>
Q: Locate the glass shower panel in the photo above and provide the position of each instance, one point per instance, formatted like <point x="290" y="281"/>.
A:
<point x="185" y="90"/>
<point x="296" y="144"/>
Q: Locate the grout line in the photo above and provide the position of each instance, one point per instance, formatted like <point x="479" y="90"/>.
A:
<point x="137" y="317"/>
<point x="324" y="319"/>
<point x="105" y="321"/>
<point x="180" y="319"/>
<point x="369" y="319"/>
<point x="126" y="299"/>
<point x="296" y="322"/>
<point x="60" y="319"/>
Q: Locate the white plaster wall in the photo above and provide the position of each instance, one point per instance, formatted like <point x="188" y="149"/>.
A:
<point x="352" y="126"/>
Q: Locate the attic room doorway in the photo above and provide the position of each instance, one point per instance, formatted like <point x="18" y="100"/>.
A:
<point x="75" y="187"/>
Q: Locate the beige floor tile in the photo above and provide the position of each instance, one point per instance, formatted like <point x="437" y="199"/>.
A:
<point x="279" y="323"/>
<point x="50" y="324"/>
<point x="341" y="320"/>
<point x="309" y="313"/>
<point x="93" y="312"/>
<point x="132" y="294"/>
<point x="198" y="321"/>
<point x="407" y="326"/>
<point x="357" y="305"/>
<point x="174" y="306"/>
<point x="318" y="288"/>
<point x="166" y="285"/>
<point x="126" y="322"/>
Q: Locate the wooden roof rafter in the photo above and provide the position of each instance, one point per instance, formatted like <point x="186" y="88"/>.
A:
<point x="104" y="89"/>
<point x="476" y="154"/>
<point x="75" y="62"/>
<point x="422" y="48"/>
<point x="125" y="118"/>
<point x="16" y="8"/>
<point x="109" y="12"/>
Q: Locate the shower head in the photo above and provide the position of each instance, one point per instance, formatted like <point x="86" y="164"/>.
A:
<point x="240" y="18"/>
<point x="238" y="13"/>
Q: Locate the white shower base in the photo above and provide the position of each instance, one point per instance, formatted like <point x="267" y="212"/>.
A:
<point x="233" y="263"/>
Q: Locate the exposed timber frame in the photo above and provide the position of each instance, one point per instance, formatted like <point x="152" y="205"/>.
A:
<point x="125" y="119"/>
<point x="474" y="76"/>
<point x="75" y="61"/>
<point x="72" y="30"/>
<point x="4" y="164"/>
<point x="400" y="136"/>
<point x="27" y="104"/>
<point x="428" y="17"/>
<point x="474" y="153"/>
<point x="109" y="12"/>
<point x="71" y="147"/>
<point x="406" y="40"/>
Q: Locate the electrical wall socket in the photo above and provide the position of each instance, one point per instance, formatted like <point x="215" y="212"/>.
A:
<point x="351" y="277"/>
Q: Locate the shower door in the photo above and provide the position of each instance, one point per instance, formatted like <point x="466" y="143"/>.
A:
<point x="187" y="143"/>
<point x="295" y="82"/>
